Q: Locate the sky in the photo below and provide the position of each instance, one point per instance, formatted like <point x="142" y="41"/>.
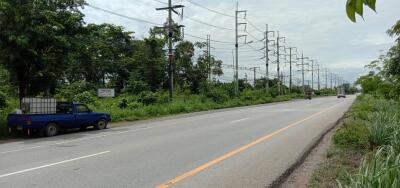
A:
<point x="318" y="28"/>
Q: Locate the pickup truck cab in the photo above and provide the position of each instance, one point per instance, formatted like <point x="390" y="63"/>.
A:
<point x="69" y="115"/>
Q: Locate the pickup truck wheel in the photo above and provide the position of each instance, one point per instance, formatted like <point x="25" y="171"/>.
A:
<point x="51" y="129"/>
<point x="101" y="124"/>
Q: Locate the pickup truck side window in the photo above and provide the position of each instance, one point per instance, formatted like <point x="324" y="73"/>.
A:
<point x="82" y="109"/>
<point x="64" y="109"/>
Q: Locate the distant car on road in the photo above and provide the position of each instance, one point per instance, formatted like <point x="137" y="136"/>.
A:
<point x="67" y="115"/>
<point x="341" y="93"/>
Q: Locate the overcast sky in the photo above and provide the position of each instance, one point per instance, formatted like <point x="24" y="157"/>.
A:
<point x="320" y="28"/>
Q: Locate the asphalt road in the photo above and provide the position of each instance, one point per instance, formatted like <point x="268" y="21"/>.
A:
<point x="241" y="147"/>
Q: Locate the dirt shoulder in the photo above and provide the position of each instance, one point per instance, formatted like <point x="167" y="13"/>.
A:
<point x="300" y="176"/>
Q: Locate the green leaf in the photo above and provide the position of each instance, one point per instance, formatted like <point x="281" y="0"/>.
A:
<point x="371" y="4"/>
<point x="359" y="5"/>
<point x="351" y="10"/>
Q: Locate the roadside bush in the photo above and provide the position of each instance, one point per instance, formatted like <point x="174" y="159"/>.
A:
<point x="352" y="134"/>
<point x="382" y="127"/>
<point x="123" y="103"/>
<point x="147" y="98"/>
<point x="162" y="97"/>
<point x="3" y="100"/>
<point x="218" y="95"/>
<point x="136" y="87"/>
<point x="134" y="105"/>
<point x="85" y="97"/>
<point x="69" y="92"/>
<point x="381" y="169"/>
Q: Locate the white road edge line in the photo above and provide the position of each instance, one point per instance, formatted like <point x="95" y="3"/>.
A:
<point x="239" y="120"/>
<point x="52" y="164"/>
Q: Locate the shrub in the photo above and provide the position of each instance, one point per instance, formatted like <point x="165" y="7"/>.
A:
<point x="382" y="127"/>
<point x="3" y="100"/>
<point x="136" y="87"/>
<point x="352" y="134"/>
<point x="70" y="91"/>
<point x="218" y="95"/>
<point x="134" y="105"/>
<point x="162" y="97"/>
<point x="123" y="103"/>
<point x="382" y="169"/>
<point x="85" y="97"/>
<point x="147" y="98"/>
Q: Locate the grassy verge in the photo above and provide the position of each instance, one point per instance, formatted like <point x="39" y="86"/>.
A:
<point x="365" y="150"/>
<point x="127" y="108"/>
<point x="135" y="111"/>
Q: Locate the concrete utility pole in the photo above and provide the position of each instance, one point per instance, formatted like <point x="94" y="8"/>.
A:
<point x="331" y="80"/>
<point x="278" y="38"/>
<point x="326" y="78"/>
<point x="336" y="80"/>
<point x="209" y="56"/>
<point x="237" y="36"/>
<point x="170" y="28"/>
<point x="319" y="83"/>
<point x="255" y="76"/>
<point x="312" y="74"/>
<point x="290" y="67"/>
<point x="267" y="56"/>
<point x="302" y="71"/>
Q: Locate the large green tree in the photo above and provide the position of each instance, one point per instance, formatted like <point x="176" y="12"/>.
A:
<point x="35" y="39"/>
<point x="101" y="53"/>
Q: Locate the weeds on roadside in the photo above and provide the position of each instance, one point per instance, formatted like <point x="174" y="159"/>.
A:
<point x="380" y="168"/>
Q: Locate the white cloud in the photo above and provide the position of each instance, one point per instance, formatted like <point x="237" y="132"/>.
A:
<point x="319" y="27"/>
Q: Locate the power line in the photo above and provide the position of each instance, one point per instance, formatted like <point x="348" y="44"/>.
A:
<point x="201" y="22"/>
<point x="207" y="24"/>
<point x="218" y="41"/>
<point x="254" y="26"/>
<point x="211" y="10"/>
<point x="124" y="16"/>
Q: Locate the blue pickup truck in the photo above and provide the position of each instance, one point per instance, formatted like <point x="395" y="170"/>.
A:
<point x="67" y="116"/>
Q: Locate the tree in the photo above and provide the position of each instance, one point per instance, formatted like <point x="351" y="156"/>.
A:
<point x="354" y="7"/>
<point x="35" y="39"/>
<point x="100" y="54"/>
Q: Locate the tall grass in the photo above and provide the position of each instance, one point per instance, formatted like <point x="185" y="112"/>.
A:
<point x="381" y="168"/>
<point x="181" y="104"/>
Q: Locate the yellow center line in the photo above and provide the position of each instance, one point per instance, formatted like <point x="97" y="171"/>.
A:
<point x="236" y="151"/>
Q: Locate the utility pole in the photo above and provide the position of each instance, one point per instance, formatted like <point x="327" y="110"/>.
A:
<point x="237" y="36"/>
<point x="336" y="80"/>
<point x="302" y="71"/>
<point x="312" y="74"/>
<point x="290" y="67"/>
<point x="267" y="56"/>
<point x="331" y="80"/>
<point x="319" y="83"/>
<point x="170" y="28"/>
<point x="209" y="56"/>
<point x="326" y="78"/>
<point x="278" y="38"/>
<point x="255" y="78"/>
